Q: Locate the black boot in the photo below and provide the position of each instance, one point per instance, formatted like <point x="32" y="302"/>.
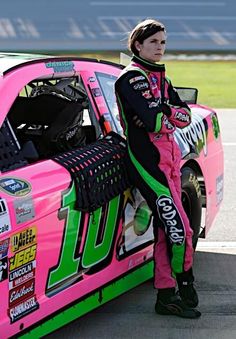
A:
<point x="187" y="290"/>
<point x="168" y="303"/>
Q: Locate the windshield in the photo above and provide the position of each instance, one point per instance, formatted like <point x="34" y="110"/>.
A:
<point x="107" y="82"/>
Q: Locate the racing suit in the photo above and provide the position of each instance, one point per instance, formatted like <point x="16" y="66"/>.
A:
<point x="146" y="95"/>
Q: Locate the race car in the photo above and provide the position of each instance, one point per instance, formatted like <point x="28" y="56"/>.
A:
<point x="74" y="232"/>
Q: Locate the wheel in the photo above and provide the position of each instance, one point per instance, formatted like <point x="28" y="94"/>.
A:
<point x="192" y="201"/>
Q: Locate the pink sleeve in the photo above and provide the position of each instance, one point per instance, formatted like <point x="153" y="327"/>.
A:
<point x="180" y="116"/>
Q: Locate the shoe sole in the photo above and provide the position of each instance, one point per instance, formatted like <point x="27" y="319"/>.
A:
<point x="173" y="309"/>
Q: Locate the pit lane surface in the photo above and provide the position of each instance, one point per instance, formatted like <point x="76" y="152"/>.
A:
<point x="132" y="315"/>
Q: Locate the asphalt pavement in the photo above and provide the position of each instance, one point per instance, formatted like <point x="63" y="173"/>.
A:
<point x="132" y="314"/>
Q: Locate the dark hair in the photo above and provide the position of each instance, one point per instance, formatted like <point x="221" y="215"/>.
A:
<point x="142" y="31"/>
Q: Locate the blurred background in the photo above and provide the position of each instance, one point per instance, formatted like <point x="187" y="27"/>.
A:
<point x="200" y="32"/>
<point x="69" y="25"/>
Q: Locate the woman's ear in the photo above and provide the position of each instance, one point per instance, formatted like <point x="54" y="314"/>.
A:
<point x="137" y="46"/>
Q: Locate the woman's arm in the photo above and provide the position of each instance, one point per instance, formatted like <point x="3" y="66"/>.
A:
<point x="135" y="96"/>
<point x="177" y="111"/>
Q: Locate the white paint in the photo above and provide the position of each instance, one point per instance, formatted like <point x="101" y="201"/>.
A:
<point x="216" y="244"/>
<point x="229" y="144"/>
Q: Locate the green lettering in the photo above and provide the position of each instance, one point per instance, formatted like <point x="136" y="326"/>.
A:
<point x="98" y="242"/>
<point x="95" y="251"/>
<point x="68" y="264"/>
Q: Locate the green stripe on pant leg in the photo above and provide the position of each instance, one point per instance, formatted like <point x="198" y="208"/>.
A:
<point x="177" y="261"/>
<point x="154" y="185"/>
<point x="178" y="251"/>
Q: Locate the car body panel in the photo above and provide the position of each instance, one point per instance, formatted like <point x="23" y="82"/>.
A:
<point x="56" y="258"/>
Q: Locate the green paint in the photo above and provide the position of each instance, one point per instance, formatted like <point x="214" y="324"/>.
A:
<point x="93" y="252"/>
<point x="215" y="125"/>
<point x="68" y="265"/>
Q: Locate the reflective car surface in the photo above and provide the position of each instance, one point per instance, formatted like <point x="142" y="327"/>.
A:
<point x="73" y="232"/>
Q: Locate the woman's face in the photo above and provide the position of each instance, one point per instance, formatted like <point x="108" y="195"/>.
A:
<point x="153" y="48"/>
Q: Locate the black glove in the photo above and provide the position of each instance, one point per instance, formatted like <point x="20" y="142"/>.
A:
<point x="166" y="109"/>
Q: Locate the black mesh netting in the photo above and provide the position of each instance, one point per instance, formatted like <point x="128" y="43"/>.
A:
<point x="10" y="154"/>
<point x="98" y="171"/>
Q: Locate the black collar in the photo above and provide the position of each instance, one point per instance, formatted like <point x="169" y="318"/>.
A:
<point x="150" y="66"/>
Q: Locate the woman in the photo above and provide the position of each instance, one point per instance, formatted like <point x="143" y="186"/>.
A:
<point x="150" y="110"/>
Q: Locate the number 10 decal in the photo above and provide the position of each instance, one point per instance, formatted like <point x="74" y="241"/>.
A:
<point x="97" y="248"/>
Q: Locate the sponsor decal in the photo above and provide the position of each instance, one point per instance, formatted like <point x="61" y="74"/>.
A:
<point x="22" y="309"/>
<point x="23" y="239"/>
<point x="194" y="136"/>
<point x="219" y="189"/>
<point x="101" y="239"/>
<point x="22" y="258"/>
<point x="147" y="94"/>
<point x="24" y="209"/>
<point x="167" y="123"/>
<point x="22" y="271"/>
<point x="153" y="104"/>
<point x="3" y="207"/>
<point x="15" y="186"/>
<point x="20" y="293"/>
<point x="153" y="87"/>
<point x="91" y="79"/>
<point x="154" y="82"/>
<point x="60" y="66"/>
<point x="96" y="92"/>
<point x="3" y="269"/>
<point x="154" y="79"/>
<point x="170" y="217"/>
<point x="140" y="77"/>
<point x="21" y="280"/>
<point x="215" y="125"/>
<point x="182" y="117"/>
<point x="70" y="134"/>
<point x="4" y="245"/>
<point x="6" y="227"/>
<point x="194" y="181"/>
<point x="141" y="86"/>
<point x="5" y="223"/>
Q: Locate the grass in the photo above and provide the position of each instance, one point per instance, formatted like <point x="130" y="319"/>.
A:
<point x="215" y="80"/>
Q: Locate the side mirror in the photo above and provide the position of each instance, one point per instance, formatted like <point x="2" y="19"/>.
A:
<point x="187" y="94"/>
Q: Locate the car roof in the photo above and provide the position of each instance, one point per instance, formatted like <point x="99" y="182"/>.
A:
<point x="9" y="61"/>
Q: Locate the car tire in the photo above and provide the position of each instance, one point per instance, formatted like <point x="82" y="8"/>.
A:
<point x="192" y="201"/>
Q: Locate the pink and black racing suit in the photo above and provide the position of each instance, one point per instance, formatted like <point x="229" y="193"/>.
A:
<point x="144" y="93"/>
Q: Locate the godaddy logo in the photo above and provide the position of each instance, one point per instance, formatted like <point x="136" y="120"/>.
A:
<point x="169" y="215"/>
